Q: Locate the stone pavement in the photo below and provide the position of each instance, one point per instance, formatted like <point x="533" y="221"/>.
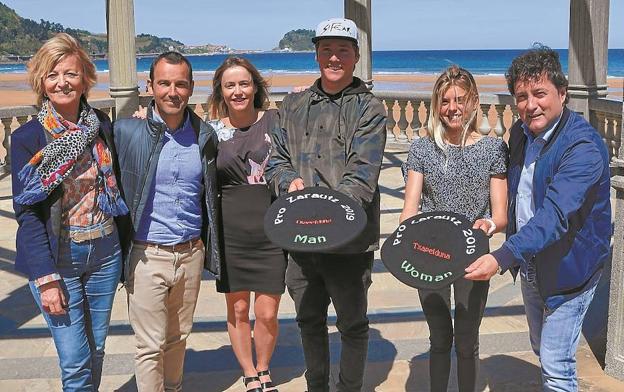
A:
<point x="398" y="358"/>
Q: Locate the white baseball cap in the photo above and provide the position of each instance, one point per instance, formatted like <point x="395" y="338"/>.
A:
<point x="336" y="28"/>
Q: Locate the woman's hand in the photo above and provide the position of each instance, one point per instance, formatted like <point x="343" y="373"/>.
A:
<point x="52" y="298"/>
<point x="141" y="113"/>
<point x="487" y="225"/>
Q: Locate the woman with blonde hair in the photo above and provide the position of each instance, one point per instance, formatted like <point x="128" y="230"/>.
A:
<point x="69" y="209"/>
<point x="251" y="262"/>
<point x="455" y="168"/>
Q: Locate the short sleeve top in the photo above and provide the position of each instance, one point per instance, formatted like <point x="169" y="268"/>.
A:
<point x="458" y="179"/>
<point x="243" y="154"/>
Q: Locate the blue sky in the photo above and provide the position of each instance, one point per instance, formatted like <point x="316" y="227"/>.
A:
<point x="397" y="24"/>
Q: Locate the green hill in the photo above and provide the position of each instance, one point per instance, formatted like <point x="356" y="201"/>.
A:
<point x="22" y="36"/>
<point x="297" y="40"/>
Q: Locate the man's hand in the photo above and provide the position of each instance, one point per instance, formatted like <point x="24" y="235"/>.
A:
<point x="52" y="298"/>
<point x="482" y="269"/>
<point x="296" y="185"/>
<point x="298" y="89"/>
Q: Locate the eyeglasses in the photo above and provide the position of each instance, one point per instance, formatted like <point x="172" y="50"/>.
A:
<point x="68" y="76"/>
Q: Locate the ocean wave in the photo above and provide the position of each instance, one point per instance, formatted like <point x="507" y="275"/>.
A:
<point x="11" y="70"/>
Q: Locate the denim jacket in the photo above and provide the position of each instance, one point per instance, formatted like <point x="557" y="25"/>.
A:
<point x="568" y="238"/>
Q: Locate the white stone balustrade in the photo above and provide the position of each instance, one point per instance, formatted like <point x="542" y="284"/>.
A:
<point x="409" y="113"/>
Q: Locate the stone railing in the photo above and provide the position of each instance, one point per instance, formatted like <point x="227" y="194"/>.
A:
<point x="606" y="117"/>
<point x="409" y="114"/>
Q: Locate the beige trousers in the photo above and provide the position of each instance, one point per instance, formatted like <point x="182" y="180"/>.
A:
<point x="162" y="293"/>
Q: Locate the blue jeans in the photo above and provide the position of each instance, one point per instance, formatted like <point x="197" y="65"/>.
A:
<point x="90" y="271"/>
<point x="555" y="333"/>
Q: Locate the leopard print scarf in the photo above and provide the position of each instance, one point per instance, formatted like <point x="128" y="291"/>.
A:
<point x="47" y="169"/>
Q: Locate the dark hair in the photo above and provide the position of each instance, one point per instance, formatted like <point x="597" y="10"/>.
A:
<point x="171" y="58"/>
<point x="218" y="108"/>
<point x="533" y="64"/>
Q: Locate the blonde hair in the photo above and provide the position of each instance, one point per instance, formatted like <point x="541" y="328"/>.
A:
<point x="50" y="54"/>
<point x="453" y="76"/>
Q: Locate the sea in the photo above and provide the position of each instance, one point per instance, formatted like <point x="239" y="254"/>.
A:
<point x="479" y="62"/>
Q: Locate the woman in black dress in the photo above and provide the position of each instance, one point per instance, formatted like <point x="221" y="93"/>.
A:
<point x="251" y="262"/>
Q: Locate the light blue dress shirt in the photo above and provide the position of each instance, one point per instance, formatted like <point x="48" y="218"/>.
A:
<point x="173" y="212"/>
<point x="525" y="207"/>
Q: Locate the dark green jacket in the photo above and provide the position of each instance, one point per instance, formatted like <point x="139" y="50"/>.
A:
<point x="335" y="142"/>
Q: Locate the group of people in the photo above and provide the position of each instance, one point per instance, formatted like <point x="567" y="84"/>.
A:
<point x="155" y="200"/>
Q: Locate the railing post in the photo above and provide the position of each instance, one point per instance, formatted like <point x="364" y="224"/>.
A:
<point x="416" y="124"/>
<point x="499" y="129"/>
<point x="484" y="128"/>
<point x="390" y="122"/>
<point x="402" y="123"/>
<point x="6" y="144"/>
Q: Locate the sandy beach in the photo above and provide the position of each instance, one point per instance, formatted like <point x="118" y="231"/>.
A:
<point x="16" y="91"/>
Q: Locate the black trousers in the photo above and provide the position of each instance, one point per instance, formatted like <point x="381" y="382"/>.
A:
<point x="313" y="280"/>
<point x="470" y="299"/>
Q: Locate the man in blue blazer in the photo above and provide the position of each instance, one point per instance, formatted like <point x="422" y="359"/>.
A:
<point x="559" y="214"/>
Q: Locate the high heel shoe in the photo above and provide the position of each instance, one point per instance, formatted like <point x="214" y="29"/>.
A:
<point x="267" y="386"/>
<point x="247" y="380"/>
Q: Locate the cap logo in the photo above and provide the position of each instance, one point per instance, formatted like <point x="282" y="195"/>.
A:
<point x="331" y="27"/>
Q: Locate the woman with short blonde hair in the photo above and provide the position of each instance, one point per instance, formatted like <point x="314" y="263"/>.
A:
<point x="69" y="210"/>
<point x="49" y="55"/>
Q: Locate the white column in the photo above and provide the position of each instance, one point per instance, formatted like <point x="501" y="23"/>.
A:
<point x="359" y="11"/>
<point x="122" y="56"/>
<point x="587" y="55"/>
<point x="614" y="359"/>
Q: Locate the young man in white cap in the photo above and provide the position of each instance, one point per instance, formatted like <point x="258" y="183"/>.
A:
<point x="333" y="135"/>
